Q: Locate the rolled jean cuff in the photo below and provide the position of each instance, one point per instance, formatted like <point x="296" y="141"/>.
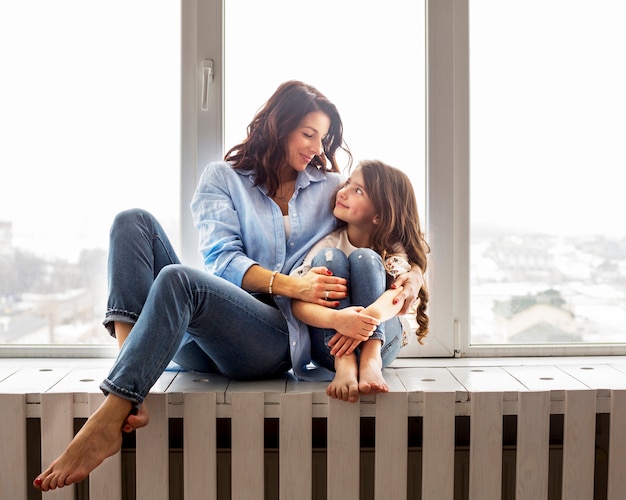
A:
<point x="378" y="335"/>
<point x="108" y="387"/>
<point x="113" y="315"/>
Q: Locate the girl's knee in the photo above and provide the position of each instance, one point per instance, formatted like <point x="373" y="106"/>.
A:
<point x="364" y="255"/>
<point x="329" y="256"/>
<point x="365" y="258"/>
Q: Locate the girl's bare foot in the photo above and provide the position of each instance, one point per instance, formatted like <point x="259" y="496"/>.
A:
<point x="345" y="385"/>
<point x="371" y="380"/>
<point x="98" y="439"/>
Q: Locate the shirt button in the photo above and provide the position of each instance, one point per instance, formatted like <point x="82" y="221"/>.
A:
<point x="293" y="343"/>
<point x="291" y="244"/>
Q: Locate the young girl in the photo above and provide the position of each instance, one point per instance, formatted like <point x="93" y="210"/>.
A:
<point x="379" y="240"/>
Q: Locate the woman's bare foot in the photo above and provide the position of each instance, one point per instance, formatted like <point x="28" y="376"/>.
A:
<point x="345" y="385"/>
<point x="98" y="439"/>
<point x="371" y="380"/>
<point x="136" y="420"/>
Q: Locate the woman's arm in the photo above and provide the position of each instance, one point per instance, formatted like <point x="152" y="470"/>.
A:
<point x="411" y="282"/>
<point x="312" y="287"/>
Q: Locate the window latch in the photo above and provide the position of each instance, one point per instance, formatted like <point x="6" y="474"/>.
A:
<point x="207" y="78"/>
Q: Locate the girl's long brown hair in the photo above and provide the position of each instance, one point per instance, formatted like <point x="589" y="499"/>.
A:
<point x="393" y="197"/>
<point x="265" y="148"/>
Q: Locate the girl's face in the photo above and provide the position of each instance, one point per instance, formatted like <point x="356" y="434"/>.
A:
<point x="305" y="141"/>
<point x="353" y="205"/>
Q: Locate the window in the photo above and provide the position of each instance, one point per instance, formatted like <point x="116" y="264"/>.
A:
<point x="90" y="118"/>
<point x="547" y="244"/>
<point x="522" y="214"/>
<point x="367" y="57"/>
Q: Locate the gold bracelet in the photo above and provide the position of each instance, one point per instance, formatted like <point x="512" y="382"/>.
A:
<point x="269" y="288"/>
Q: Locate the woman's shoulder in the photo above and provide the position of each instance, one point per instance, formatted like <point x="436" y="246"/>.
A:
<point x="219" y="166"/>
<point x="221" y="172"/>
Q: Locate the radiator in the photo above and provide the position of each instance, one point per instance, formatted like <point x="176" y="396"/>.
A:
<point x="245" y="442"/>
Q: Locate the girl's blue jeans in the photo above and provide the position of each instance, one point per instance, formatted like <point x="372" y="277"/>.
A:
<point x="367" y="280"/>
<point x="202" y="322"/>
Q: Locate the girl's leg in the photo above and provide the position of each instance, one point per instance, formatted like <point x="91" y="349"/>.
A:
<point x="345" y="384"/>
<point x="368" y="279"/>
<point x="335" y="260"/>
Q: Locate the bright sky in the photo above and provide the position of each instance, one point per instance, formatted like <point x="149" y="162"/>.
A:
<point x="89" y="115"/>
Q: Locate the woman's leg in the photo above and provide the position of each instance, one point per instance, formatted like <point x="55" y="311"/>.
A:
<point x="138" y="250"/>
<point x="98" y="439"/>
<point x="243" y="336"/>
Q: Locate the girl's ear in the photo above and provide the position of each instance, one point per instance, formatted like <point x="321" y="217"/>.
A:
<point x="376" y="219"/>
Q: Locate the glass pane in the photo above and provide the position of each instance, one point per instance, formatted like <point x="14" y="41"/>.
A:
<point x="90" y="105"/>
<point x="548" y="246"/>
<point x="366" y="56"/>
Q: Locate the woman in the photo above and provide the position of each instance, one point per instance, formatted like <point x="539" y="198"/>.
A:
<point x="258" y="213"/>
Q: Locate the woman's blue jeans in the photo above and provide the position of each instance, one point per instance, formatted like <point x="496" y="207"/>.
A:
<point x="201" y="321"/>
<point x="367" y="280"/>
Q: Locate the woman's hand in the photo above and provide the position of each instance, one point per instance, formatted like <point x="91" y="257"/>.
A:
<point x="411" y="283"/>
<point x="319" y="286"/>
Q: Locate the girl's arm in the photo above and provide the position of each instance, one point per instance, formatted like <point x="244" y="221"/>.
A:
<point x="385" y="307"/>
<point x="350" y="321"/>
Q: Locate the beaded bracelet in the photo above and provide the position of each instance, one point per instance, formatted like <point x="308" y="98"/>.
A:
<point x="269" y="288"/>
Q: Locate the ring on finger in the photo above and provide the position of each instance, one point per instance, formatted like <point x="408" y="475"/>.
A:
<point x="326" y="293"/>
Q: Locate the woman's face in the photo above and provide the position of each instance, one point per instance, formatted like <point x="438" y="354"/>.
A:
<point x="305" y="141"/>
<point x="353" y="205"/>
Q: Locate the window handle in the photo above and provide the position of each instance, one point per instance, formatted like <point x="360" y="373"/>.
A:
<point x="207" y="78"/>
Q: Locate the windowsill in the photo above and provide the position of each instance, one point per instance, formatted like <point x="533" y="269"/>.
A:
<point x="36" y="378"/>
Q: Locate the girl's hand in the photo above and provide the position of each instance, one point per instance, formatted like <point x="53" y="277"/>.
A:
<point x="319" y="286"/>
<point x="411" y="283"/>
<point x="342" y="345"/>
<point x="351" y="322"/>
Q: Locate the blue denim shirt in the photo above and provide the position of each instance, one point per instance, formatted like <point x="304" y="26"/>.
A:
<point x="240" y="226"/>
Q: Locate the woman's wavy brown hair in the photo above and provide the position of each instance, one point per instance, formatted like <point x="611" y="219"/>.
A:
<point x="265" y="148"/>
<point x="393" y="197"/>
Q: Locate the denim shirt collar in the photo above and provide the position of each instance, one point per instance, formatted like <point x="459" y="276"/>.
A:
<point x="309" y="175"/>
